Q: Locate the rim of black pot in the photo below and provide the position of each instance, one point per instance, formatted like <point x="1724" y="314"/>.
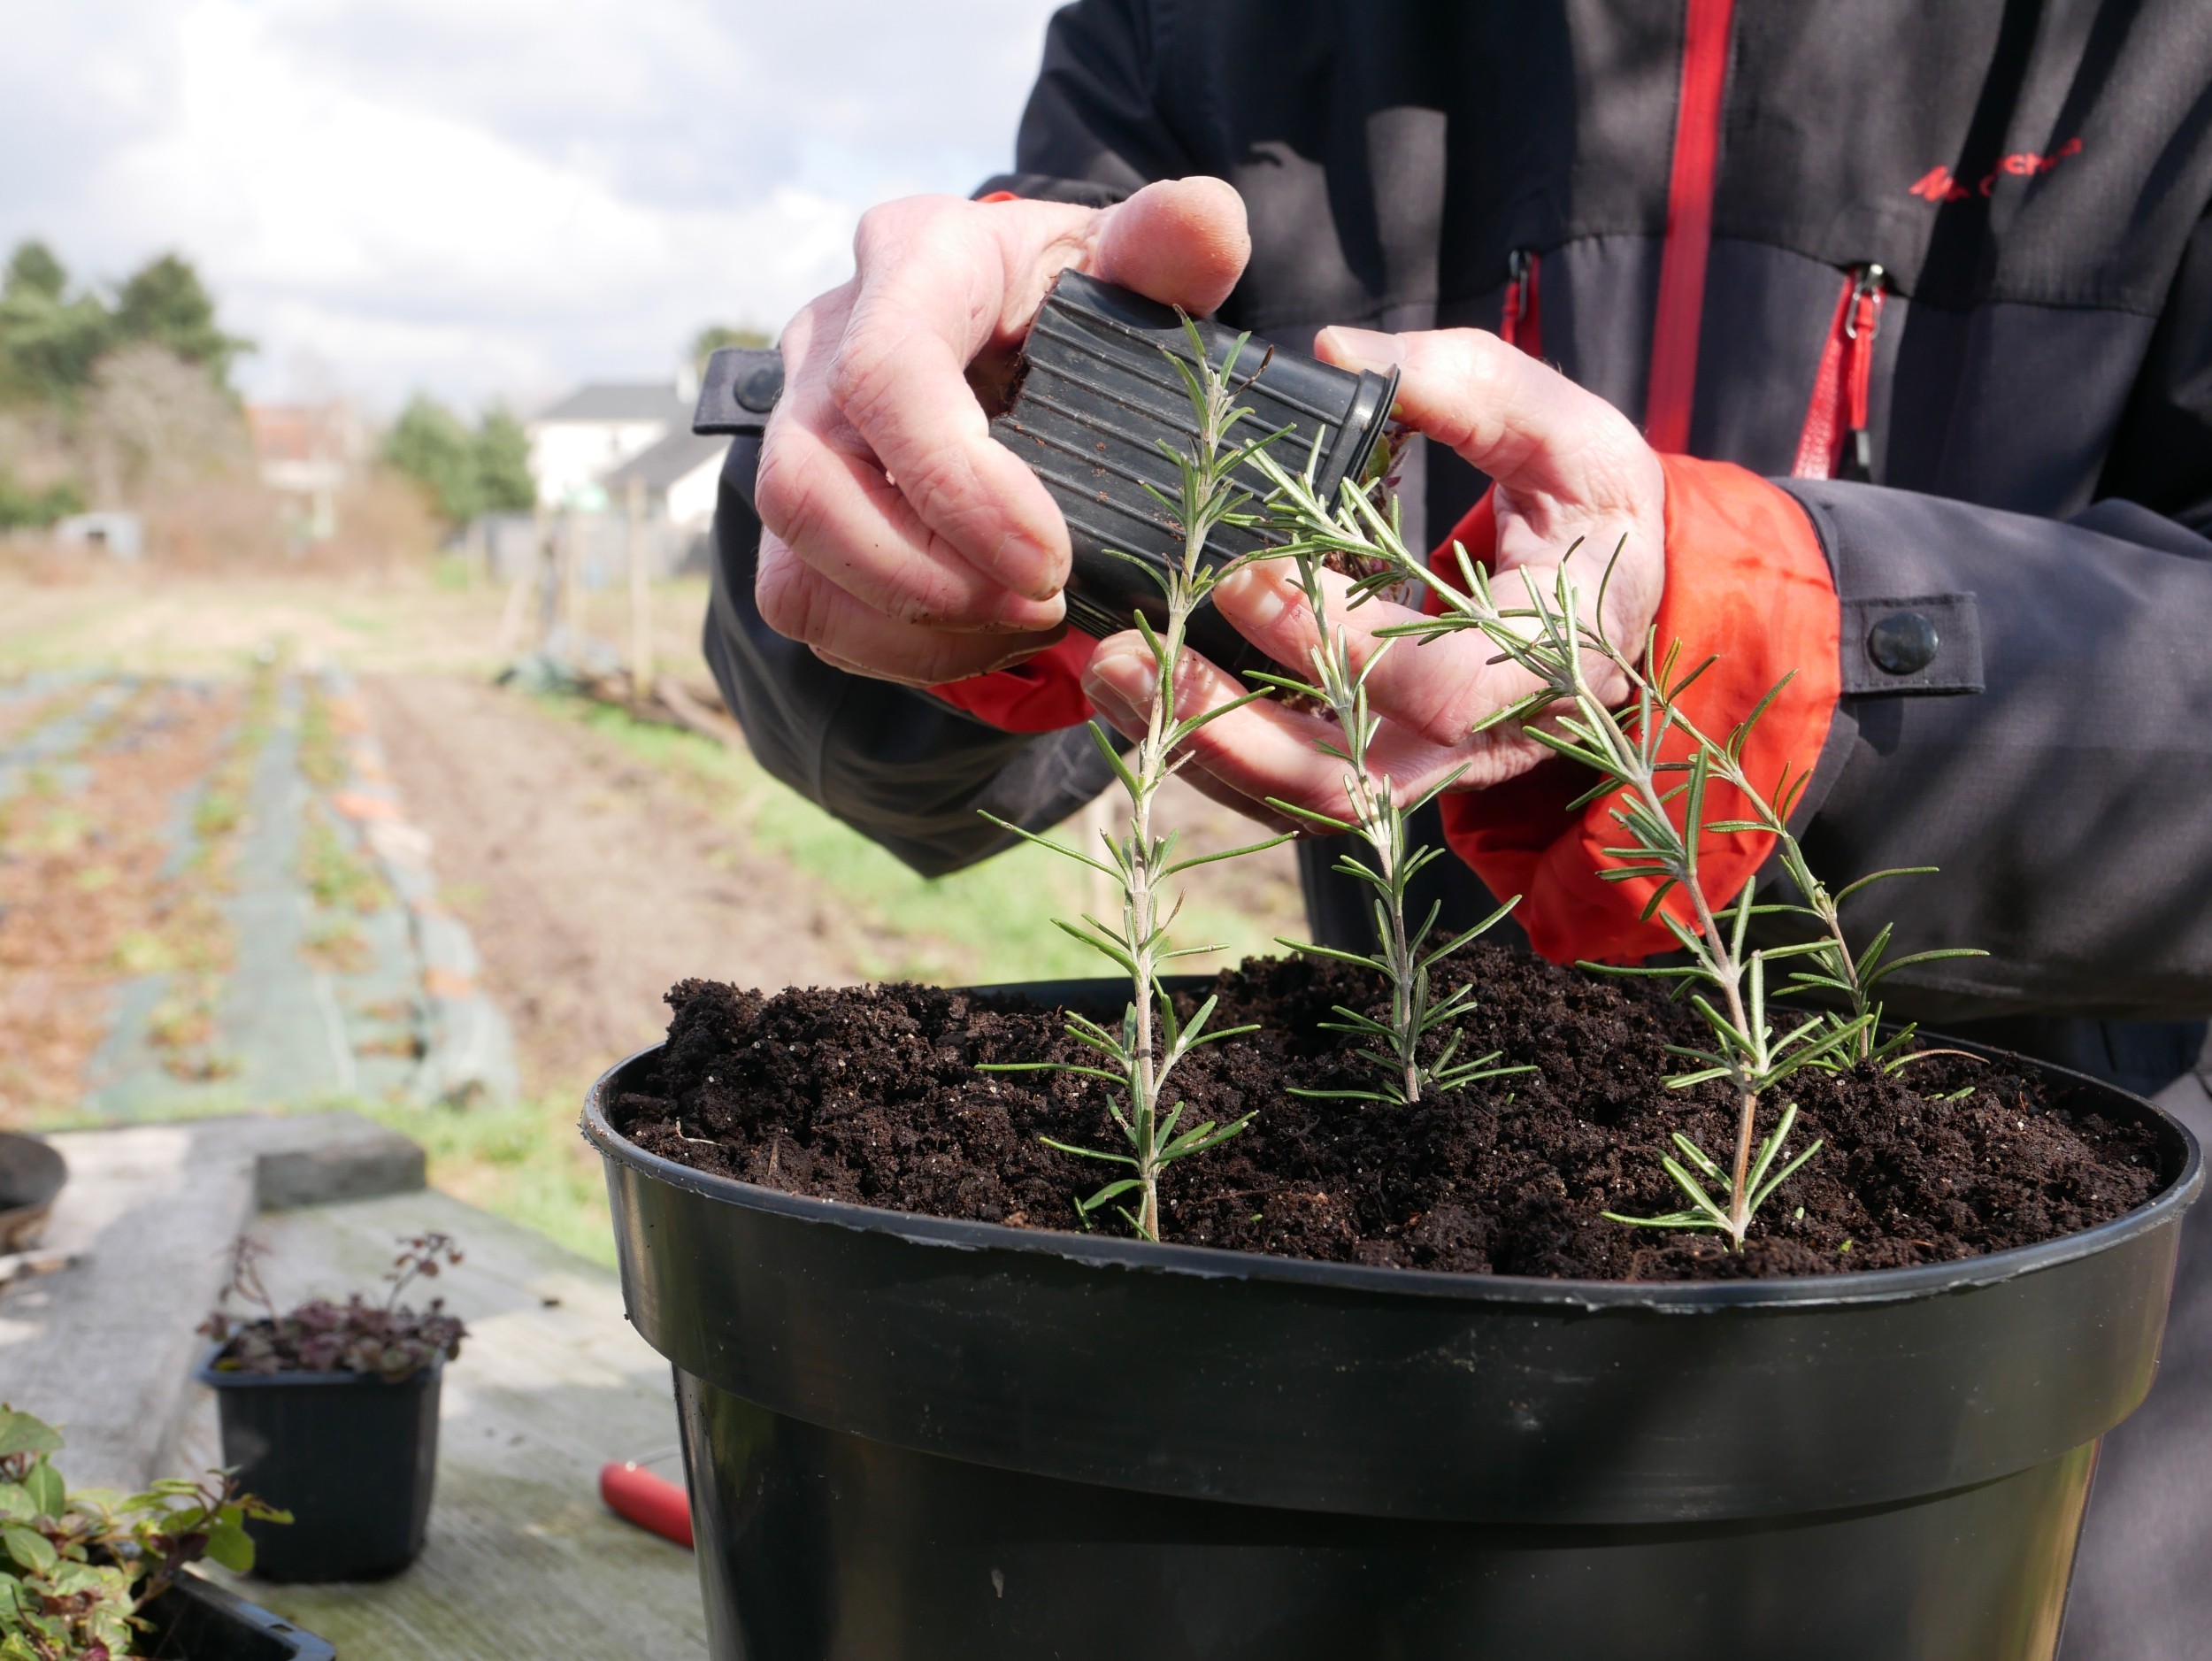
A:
<point x="237" y="1378"/>
<point x="1866" y="1286"/>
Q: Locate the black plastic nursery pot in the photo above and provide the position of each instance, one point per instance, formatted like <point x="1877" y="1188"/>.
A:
<point x="910" y="1438"/>
<point x="352" y="1457"/>
<point x="1099" y="393"/>
<point x="198" y="1620"/>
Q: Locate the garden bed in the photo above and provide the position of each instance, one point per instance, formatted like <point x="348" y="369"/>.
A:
<point x="873" y="1096"/>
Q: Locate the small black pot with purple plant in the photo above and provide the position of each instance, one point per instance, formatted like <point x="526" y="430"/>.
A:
<point x="334" y="1407"/>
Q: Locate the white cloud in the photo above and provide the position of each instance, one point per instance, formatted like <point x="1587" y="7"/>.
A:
<point x="494" y="197"/>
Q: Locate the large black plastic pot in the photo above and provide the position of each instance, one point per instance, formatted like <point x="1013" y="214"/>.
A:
<point x="198" y="1620"/>
<point x="352" y="1457"/>
<point x="913" y="1438"/>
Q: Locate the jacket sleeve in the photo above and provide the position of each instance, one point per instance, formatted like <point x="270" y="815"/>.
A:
<point x="906" y="769"/>
<point x="2052" y="755"/>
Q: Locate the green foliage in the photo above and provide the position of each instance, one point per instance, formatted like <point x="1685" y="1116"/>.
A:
<point x="1142" y="862"/>
<point x="164" y="301"/>
<point x="502" y="464"/>
<point x="33" y="269"/>
<point x="77" y="1567"/>
<point x="462" y="473"/>
<point x="37" y="509"/>
<point x="1404" y="958"/>
<point x="715" y="336"/>
<point x="50" y="341"/>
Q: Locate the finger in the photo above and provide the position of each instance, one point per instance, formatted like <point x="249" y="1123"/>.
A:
<point x="829" y="503"/>
<point x="797" y="601"/>
<point x="939" y="286"/>
<point x="1260" y="752"/>
<point x="1438" y="689"/>
<point x="823" y="494"/>
<point x="1181" y="241"/>
<point x="1516" y="419"/>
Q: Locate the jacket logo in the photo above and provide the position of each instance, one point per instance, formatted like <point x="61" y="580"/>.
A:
<point x="1938" y="184"/>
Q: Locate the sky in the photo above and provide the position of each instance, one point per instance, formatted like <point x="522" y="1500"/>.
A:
<point x="492" y="200"/>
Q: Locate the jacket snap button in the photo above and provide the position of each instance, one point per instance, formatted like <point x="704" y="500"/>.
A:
<point x="762" y="385"/>
<point x="1902" y="644"/>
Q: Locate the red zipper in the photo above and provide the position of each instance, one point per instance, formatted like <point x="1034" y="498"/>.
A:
<point x="1690" y="186"/>
<point x="1836" y="444"/>
<point x="1521" y="324"/>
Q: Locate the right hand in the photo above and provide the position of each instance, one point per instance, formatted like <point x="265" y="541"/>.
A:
<point x="901" y="540"/>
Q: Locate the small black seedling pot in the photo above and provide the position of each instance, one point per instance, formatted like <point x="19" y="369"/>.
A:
<point x="1097" y="395"/>
<point x="1094" y="398"/>
<point x="198" y="1620"/>
<point x="352" y="1457"/>
<point x="917" y="1440"/>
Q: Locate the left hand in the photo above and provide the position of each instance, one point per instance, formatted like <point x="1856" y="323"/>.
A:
<point x="1571" y="473"/>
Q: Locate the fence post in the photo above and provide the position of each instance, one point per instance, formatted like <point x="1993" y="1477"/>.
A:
<point x="641" y="597"/>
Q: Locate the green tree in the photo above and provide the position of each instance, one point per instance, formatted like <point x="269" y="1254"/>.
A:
<point x="715" y="336"/>
<point x="164" y="302"/>
<point x="502" y="464"/>
<point x="33" y="269"/>
<point x="463" y="472"/>
<point x="47" y="342"/>
<point x="430" y="445"/>
<point x="22" y="506"/>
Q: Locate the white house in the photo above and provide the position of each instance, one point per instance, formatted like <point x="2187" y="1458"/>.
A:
<point x="678" y="475"/>
<point x="595" y="429"/>
<point x="306" y="452"/>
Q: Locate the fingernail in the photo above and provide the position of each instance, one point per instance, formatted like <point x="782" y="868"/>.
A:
<point x="1256" y="595"/>
<point x="1360" y="349"/>
<point x="1017" y="611"/>
<point x="1126" y="676"/>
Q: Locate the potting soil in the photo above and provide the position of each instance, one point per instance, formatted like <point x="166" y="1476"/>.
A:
<point x="872" y="1095"/>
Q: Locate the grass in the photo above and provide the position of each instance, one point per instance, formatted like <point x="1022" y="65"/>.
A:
<point x="993" y="922"/>
<point x="523" y="1161"/>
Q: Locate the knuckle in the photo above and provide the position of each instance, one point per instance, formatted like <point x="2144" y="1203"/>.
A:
<point x="786" y="490"/>
<point x="779" y="595"/>
<point x="860" y="368"/>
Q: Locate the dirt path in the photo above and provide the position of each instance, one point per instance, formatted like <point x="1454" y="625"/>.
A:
<point x="591" y="884"/>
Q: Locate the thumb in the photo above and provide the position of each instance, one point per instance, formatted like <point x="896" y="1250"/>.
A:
<point x="1519" y="420"/>
<point x="1181" y="241"/>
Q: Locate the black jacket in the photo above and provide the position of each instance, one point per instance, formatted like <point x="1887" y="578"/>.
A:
<point x="2033" y="179"/>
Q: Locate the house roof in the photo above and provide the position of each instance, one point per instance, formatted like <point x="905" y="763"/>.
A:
<point x="663" y="461"/>
<point x="620" y="400"/>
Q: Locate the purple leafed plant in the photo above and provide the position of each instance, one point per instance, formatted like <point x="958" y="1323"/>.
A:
<point x="388" y="1339"/>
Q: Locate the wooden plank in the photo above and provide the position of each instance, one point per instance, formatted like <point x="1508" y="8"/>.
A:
<point x="522" y="1559"/>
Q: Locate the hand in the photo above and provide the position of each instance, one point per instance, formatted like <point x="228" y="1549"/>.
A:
<point x="1570" y="472"/>
<point x="902" y="541"/>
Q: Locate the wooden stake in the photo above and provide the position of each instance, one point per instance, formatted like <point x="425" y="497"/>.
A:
<point x="641" y="597"/>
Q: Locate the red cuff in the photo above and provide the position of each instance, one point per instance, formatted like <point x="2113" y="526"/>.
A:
<point x="1039" y="695"/>
<point x="1747" y="583"/>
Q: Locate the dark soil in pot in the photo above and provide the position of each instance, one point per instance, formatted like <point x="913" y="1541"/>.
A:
<point x="873" y="1096"/>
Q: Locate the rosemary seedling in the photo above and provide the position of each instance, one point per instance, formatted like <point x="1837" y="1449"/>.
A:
<point x="1727" y="979"/>
<point x="1403" y="957"/>
<point x="1139" y="1057"/>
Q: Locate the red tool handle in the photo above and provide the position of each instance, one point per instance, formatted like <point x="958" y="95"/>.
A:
<point x="654" y="1503"/>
